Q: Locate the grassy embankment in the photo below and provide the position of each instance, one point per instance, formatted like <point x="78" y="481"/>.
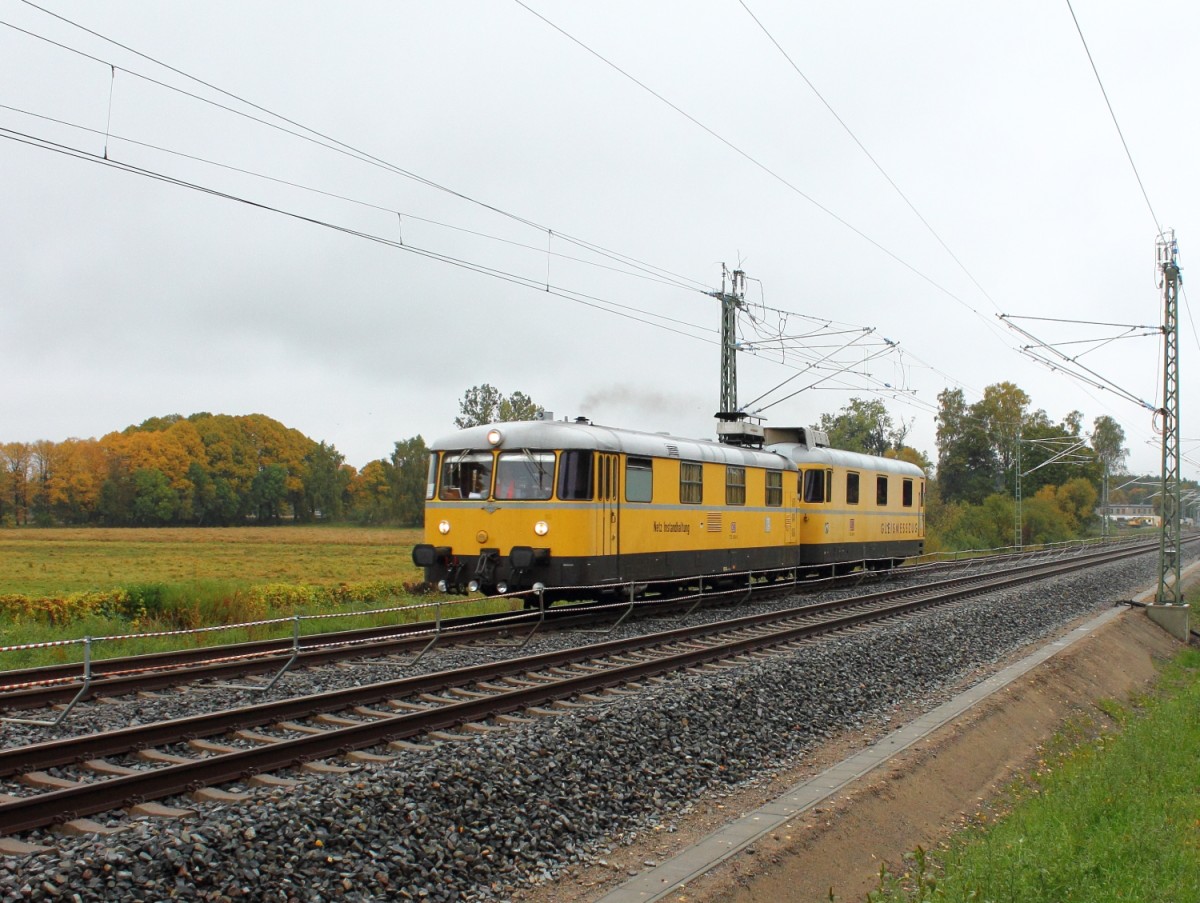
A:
<point x="1106" y="816"/>
<point x="65" y="583"/>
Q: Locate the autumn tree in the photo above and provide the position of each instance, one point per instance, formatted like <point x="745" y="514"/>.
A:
<point x="15" y="461"/>
<point x="370" y="493"/>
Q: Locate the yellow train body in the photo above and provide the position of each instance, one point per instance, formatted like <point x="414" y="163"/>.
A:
<point x="582" y="509"/>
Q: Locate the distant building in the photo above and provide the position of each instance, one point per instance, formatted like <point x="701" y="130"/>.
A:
<point x="1134" y="515"/>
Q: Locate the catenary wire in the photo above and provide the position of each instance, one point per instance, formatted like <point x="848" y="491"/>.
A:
<point x="325" y="141"/>
<point x="528" y="282"/>
<point x="342" y="147"/>
<point x="363" y="156"/>
<point x="754" y="161"/>
<point x="350" y="200"/>
<point x="1113" y="114"/>
<point x="869" y="155"/>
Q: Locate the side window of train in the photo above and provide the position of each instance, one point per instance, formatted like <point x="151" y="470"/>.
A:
<point x="774" y="497"/>
<point x="814" y="486"/>
<point x="575" y="475"/>
<point x="639" y="479"/>
<point x="431" y="478"/>
<point x="907" y="494"/>
<point x="881" y="491"/>
<point x="851" y="488"/>
<point x="691" y="483"/>
<point x="735" y="485"/>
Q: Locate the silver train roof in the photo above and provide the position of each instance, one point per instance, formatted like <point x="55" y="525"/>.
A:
<point x="568" y="434"/>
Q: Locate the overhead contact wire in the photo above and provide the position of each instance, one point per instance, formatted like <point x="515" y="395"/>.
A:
<point x="869" y="155"/>
<point x="341" y="146"/>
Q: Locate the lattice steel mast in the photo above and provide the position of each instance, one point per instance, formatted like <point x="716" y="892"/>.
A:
<point x="1169" y="560"/>
<point x="731" y="301"/>
<point x="733" y="427"/>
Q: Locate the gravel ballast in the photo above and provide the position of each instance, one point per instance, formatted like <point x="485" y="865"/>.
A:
<point x="475" y="820"/>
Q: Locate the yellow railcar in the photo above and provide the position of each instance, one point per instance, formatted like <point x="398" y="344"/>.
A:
<point x="581" y="509"/>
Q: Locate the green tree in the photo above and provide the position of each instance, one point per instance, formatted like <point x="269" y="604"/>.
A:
<point x="863" y="425"/>
<point x="407" y="478"/>
<point x="268" y="492"/>
<point x="1044" y="440"/>
<point x="204" y="496"/>
<point x="968" y="468"/>
<point x="486" y="404"/>
<point x="324" y="482"/>
<point x="1001" y="412"/>
<point x="1108" y="442"/>
<point x="154" y="501"/>
<point x="518" y="406"/>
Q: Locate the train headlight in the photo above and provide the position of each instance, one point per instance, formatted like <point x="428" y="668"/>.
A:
<point x="442" y="586"/>
<point x="494" y="437"/>
<point x="541" y="528"/>
<point x="473" y="586"/>
<point x="502" y="588"/>
<point x="444" y="527"/>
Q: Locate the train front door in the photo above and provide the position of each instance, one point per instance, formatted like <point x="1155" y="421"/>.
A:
<point x="608" y="514"/>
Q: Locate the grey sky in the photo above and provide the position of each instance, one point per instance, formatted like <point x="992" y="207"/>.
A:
<point x="126" y="298"/>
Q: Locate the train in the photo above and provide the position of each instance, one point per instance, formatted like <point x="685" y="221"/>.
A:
<point x="569" y="509"/>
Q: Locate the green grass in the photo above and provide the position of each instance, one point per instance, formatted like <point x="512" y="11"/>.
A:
<point x="51" y="562"/>
<point x="103" y="582"/>
<point x="1113" y="817"/>
<point x="21" y="633"/>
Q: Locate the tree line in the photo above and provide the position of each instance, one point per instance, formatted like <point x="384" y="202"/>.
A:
<point x="217" y="469"/>
<point x="221" y="470"/>
<point x="204" y="470"/>
<point x="989" y="449"/>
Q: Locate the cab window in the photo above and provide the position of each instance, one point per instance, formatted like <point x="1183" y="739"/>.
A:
<point x="525" y="475"/>
<point x="639" y="479"/>
<point x="431" y="478"/>
<point x="575" y="475"/>
<point x="466" y="475"/>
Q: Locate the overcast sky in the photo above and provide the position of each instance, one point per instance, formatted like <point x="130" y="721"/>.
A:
<point x="125" y="297"/>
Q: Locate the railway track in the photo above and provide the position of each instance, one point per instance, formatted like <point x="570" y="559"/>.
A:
<point x="370" y="723"/>
<point x="34" y="688"/>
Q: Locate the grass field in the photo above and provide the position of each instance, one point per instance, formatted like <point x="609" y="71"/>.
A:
<point x="59" y="584"/>
<point x="54" y="562"/>
<point x="1108" y="818"/>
